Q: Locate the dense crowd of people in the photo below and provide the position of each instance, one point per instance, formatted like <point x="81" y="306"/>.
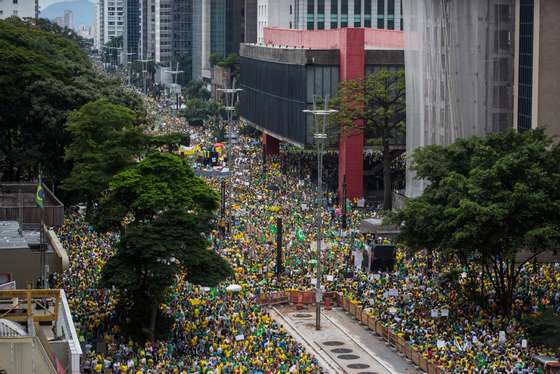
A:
<point x="216" y="331"/>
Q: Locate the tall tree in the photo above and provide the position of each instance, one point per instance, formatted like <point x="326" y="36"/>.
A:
<point x="377" y="105"/>
<point x="44" y="75"/>
<point x="105" y="141"/>
<point x="170" y="213"/>
<point x="493" y="204"/>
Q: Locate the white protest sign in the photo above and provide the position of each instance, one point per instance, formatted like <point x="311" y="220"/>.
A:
<point x="441" y="344"/>
<point x="445" y="312"/>
<point x="330" y="278"/>
<point x="240" y="337"/>
<point x="435" y="313"/>
<point x="524" y="343"/>
<point x="502" y="337"/>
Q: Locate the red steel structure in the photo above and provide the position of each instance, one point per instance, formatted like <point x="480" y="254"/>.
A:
<point x="351" y="43"/>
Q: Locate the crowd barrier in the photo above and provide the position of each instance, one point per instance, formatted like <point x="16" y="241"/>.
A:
<point x="398" y="342"/>
<point x="359" y="313"/>
<point x="295" y="297"/>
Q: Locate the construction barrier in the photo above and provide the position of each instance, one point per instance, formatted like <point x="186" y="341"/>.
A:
<point x="371" y="323"/>
<point x="399" y="342"/>
<point x="364" y="318"/>
<point x="416" y="357"/>
<point x="391" y="337"/>
<point x="339" y="298"/>
<point x="381" y="330"/>
<point x="358" y="312"/>
<point x="352" y="309"/>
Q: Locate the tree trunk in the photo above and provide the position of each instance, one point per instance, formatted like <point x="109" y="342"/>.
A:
<point x="153" y="319"/>
<point x="387" y="185"/>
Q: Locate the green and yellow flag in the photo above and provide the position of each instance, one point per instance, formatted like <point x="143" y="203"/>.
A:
<point x="40" y="195"/>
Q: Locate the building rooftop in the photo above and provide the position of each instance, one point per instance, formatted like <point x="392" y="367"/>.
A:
<point x="13" y="236"/>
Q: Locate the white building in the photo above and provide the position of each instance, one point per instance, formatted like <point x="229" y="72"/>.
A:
<point x="99" y="24"/>
<point x="113" y="19"/>
<point x="68" y="19"/>
<point x="328" y="14"/>
<point x="18" y="8"/>
<point x="109" y="21"/>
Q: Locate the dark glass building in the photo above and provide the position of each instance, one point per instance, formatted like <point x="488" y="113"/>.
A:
<point x="131" y="31"/>
<point x="182" y="37"/>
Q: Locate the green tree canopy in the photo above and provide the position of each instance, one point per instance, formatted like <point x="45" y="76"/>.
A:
<point x="196" y="90"/>
<point x="377" y="104"/>
<point x="105" y="141"/>
<point x="44" y="75"/>
<point x="169" y="213"/>
<point x="489" y="200"/>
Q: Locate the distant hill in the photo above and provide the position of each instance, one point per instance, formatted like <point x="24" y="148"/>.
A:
<point x="84" y="11"/>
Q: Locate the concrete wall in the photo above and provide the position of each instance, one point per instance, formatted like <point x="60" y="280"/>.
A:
<point x="24" y="265"/>
<point x="23" y="358"/>
<point x="549" y="67"/>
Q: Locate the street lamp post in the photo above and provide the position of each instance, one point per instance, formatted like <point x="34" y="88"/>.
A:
<point x="320" y="118"/>
<point x="230" y="97"/>
<point x="176" y="86"/>
<point x="129" y="67"/>
<point x="144" y="72"/>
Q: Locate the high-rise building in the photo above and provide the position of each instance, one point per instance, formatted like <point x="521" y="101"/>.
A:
<point x="479" y="66"/>
<point x="155" y="30"/>
<point x="131" y="31"/>
<point x="109" y="20"/>
<point x="329" y="14"/>
<point x="18" y="8"/>
<point x="59" y="21"/>
<point x="218" y="29"/>
<point x="227" y="26"/>
<point x="201" y="40"/>
<point x="537" y="66"/>
<point x="99" y="24"/>
<point x="251" y="18"/>
<point x="182" y="38"/>
<point x="68" y="19"/>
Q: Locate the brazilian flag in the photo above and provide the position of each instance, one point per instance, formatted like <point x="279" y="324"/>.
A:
<point x="273" y="229"/>
<point x="299" y="235"/>
<point x="40" y="195"/>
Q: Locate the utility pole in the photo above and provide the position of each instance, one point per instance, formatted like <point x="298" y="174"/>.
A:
<point x="36" y="12"/>
<point x="279" y="267"/>
<point x="320" y="118"/>
<point x="344" y="209"/>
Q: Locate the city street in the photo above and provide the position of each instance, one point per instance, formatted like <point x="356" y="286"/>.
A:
<point x="342" y="345"/>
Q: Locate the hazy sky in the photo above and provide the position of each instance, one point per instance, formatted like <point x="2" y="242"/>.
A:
<point x="45" y="3"/>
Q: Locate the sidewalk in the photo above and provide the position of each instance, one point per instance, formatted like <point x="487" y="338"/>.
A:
<point x="342" y="345"/>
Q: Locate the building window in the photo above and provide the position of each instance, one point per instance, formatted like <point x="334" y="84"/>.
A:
<point x="320" y="14"/>
<point x="367" y="13"/>
<point x="334" y="14"/>
<point x="344" y="13"/>
<point x="380" y="14"/>
<point x="391" y="14"/>
<point x="310" y="14"/>
<point x="402" y="18"/>
<point x="357" y="13"/>
<point x="15" y="2"/>
<point x="525" y="95"/>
